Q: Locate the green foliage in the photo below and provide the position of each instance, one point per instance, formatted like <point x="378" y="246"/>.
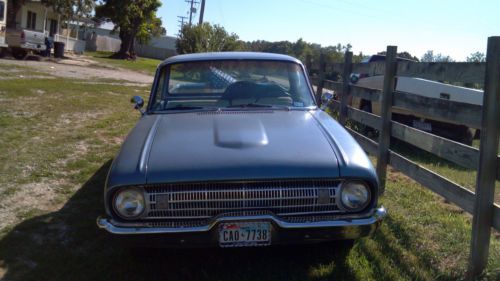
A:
<point x="136" y="19"/>
<point x="476" y="57"/>
<point x="300" y="49"/>
<point x="206" y="38"/>
<point x="429" y="56"/>
<point x="404" y="55"/>
<point x="143" y="65"/>
<point x="304" y="51"/>
<point x="69" y="8"/>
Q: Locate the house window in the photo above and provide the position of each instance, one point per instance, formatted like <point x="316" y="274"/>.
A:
<point x="31" y="23"/>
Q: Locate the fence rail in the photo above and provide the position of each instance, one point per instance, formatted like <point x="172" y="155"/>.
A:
<point x="486" y="214"/>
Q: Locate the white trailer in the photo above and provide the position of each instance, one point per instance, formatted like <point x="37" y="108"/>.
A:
<point x="425" y="88"/>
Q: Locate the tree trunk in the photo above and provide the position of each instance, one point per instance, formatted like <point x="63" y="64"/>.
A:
<point x="127" y="50"/>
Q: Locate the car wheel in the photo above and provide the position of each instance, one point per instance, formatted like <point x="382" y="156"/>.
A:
<point x="463" y="135"/>
<point x="19" y="54"/>
<point x="468" y="137"/>
<point x="2" y="52"/>
<point x="366" y="130"/>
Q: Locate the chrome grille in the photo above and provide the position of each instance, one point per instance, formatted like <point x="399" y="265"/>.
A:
<point x="208" y="200"/>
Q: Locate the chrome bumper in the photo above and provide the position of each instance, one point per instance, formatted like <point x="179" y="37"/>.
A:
<point x="347" y="225"/>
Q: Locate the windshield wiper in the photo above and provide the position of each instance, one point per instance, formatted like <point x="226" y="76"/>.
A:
<point x="248" y="105"/>
<point x="259" y="105"/>
<point x="184" y="107"/>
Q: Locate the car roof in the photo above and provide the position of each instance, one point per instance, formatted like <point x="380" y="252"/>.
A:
<point x="229" y="56"/>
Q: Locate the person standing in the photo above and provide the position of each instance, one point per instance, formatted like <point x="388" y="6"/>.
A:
<point x="48" y="46"/>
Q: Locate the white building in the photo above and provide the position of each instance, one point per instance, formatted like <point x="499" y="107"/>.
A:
<point x="33" y="15"/>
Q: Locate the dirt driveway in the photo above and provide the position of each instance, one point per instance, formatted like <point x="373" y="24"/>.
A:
<point x="80" y="68"/>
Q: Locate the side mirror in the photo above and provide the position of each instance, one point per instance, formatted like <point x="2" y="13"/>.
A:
<point x="326" y="99"/>
<point x="138" y="103"/>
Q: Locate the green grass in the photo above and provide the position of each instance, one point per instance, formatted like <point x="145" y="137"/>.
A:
<point x="64" y="134"/>
<point x="144" y="65"/>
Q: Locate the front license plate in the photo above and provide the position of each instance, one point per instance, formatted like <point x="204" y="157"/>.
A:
<point x="424" y="126"/>
<point x="244" y="234"/>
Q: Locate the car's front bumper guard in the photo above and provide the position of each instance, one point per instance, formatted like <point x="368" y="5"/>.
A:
<point x="373" y="220"/>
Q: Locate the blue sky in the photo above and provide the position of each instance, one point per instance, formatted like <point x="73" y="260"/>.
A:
<point x="451" y="27"/>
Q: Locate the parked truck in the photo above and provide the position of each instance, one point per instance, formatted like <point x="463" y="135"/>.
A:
<point x="425" y="88"/>
<point x="3" y="26"/>
<point x="18" y="41"/>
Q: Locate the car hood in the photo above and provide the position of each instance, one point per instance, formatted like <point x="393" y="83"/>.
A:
<point x="229" y="145"/>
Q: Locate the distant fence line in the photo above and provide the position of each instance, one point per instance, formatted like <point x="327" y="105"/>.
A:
<point x="71" y="44"/>
<point x="102" y="43"/>
<point x="153" y="52"/>
<point x="108" y="44"/>
<point x="486" y="214"/>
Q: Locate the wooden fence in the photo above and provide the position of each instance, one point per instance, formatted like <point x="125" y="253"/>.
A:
<point x="486" y="214"/>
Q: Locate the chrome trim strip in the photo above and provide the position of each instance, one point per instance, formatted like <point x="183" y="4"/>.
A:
<point x="110" y="225"/>
<point x="148" y="144"/>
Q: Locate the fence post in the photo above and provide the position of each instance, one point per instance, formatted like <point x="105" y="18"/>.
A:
<point x="486" y="175"/>
<point x="321" y="80"/>
<point x="345" y="87"/>
<point x="386" y="115"/>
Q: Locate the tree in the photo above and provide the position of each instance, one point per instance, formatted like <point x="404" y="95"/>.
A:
<point x="476" y="57"/>
<point x="301" y="49"/>
<point x="134" y="20"/>
<point x="206" y="38"/>
<point x="404" y="55"/>
<point x="430" y="57"/>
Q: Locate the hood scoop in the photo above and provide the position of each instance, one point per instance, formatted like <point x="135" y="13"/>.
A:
<point x="239" y="133"/>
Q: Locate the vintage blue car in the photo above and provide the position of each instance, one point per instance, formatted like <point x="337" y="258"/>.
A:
<point x="232" y="150"/>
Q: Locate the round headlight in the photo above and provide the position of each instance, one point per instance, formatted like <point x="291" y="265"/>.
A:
<point x="355" y="195"/>
<point x="129" y="203"/>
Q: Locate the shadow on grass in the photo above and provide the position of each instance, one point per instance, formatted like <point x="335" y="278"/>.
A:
<point x="419" y="155"/>
<point x="67" y="245"/>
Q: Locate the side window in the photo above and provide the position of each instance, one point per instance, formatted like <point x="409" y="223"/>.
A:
<point x="2" y="10"/>
<point x="31" y="21"/>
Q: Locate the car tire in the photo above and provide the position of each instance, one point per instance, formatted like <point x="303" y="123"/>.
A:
<point x="366" y="130"/>
<point x="468" y="137"/>
<point x="2" y="52"/>
<point x="19" y="54"/>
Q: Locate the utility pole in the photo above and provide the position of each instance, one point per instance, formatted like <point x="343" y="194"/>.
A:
<point x="181" y="21"/>
<point x="191" y="10"/>
<point x="202" y="12"/>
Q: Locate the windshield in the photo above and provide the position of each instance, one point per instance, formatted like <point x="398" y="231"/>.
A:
<point x="232" y="84"/>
